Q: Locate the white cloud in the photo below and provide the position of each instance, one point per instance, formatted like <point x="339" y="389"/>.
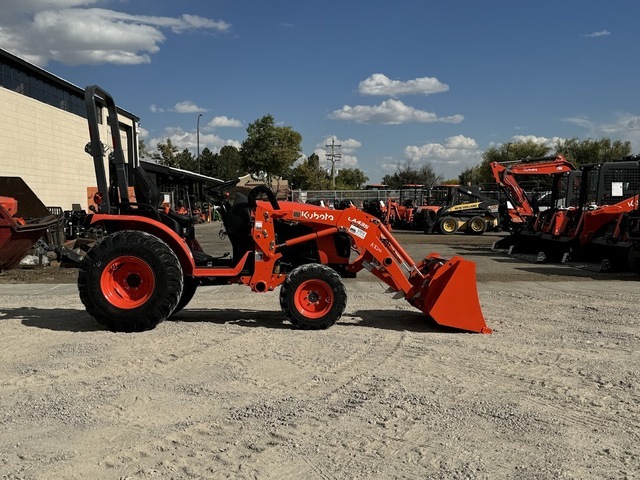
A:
<point x="155" y="109"/>
<point x="449" y="158"/>
<point x="601" y="33"/>
<point x="349" y="145"/>
<point x="583" y="122"/>
<point x="625" y="127"/>
<point x="380" y="84"/>
<point x="188" y="107"/>
<point x="548" y="142"/>
<point x="32" y="6"/>
<point x="189" y="140"/>
<point x="347" y="151"/>
<point x="390" y="112"/>
<point x="68" y="32"/>
<point x="224" y="121"/>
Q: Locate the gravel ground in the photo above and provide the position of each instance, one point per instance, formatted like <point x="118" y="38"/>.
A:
<point x="227" y="389"/>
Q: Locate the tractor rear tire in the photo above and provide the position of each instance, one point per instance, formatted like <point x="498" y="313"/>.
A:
<point x="313" y="296"/>
<point x="448" y="225"/>
<point x="130" y="281"/>
<point x="188" y="291"/>
<point x="476" y="226"/>
<point x="634" y="258"/>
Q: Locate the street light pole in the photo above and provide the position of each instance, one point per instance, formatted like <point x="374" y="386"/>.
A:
<point x="198" y="140"/>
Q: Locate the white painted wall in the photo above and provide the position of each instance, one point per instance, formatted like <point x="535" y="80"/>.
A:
<point x="45" y="146"/>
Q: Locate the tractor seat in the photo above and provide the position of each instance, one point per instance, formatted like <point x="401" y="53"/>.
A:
<point x="147" y="193"/>
<point x="185" y="221"/>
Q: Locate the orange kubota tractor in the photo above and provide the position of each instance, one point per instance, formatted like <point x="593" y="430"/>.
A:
<point x="149" y="263"/>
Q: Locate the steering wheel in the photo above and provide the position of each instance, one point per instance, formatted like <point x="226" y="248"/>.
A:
<point x="263" y="189"/>
<point x="219" y="188"/>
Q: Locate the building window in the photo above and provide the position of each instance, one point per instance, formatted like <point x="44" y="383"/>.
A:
<point x="19" y="81"/>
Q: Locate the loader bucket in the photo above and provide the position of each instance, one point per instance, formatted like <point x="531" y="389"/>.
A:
<point x="23" y="220"/>
<point x="448" y="294"/>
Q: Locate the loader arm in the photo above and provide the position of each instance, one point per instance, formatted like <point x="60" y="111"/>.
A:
<point x="445" y="290"/>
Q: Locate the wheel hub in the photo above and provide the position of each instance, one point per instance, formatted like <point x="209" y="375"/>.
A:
<point x="127" y="282"/>
<point x="314" y="298"/>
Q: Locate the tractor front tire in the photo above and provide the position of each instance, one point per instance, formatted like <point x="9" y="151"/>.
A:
<point x="476" y="226"/>
<point x="313" y="296"/>
<point x="130" y="281"/>
<point x="188" y="291"/>
<point x="448" y="225"/>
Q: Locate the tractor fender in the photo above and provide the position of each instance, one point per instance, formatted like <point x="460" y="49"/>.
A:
<point x="115" y="223"/>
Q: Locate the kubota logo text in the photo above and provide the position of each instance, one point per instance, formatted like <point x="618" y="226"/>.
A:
<point x="313" y="215"/>
<point x="360" y="223"/>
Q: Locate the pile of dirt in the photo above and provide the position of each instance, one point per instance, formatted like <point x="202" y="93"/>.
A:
<point x="53" y="273"/>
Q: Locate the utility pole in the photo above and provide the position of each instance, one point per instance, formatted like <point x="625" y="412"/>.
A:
<point x="333" y="155"/>
<point x="198" y="141"/>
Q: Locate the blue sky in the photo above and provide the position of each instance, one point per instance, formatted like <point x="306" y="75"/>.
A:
<point x="392" y="82"/>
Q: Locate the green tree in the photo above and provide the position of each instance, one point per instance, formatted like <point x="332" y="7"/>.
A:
<point x="225" y="165"/>
<point x="581" y="152"/>
<point x="166" y="154"/>
<point x="186" y="161"/>
<point x="270" y="149"/>
<point x="309" y="175"/>
<point x="208" y="162"/>
<point x="350" y="179"/>
<point x="143" y="152"/>
<point x="229" y="163"/>
<point x="407" y="174"/>
<point x="451" y="181"/>
<point x="504" y="153"/>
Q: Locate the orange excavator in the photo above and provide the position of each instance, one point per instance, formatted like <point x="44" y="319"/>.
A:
<point x="594" y="226"/>
<point x="149" y="263"/>
<point x="521" y="209"/>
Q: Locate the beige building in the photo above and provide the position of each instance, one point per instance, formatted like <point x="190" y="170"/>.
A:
<point x="43" y="133"/>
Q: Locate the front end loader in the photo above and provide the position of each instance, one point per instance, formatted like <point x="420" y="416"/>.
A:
<point x="23" y="220"/>
<point x="149" y="263"/>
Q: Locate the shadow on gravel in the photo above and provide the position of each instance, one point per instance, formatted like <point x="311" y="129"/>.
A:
<point x="573" y="271"/>
<point x="55" y="319"/>
<point x="69" y="320"/>
<point x="383" y="319"/>
<point x="242" y="317"/>
<point x="399" y="320"/>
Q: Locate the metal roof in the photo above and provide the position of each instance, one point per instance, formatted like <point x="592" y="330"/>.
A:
<point x="177" y="172"/>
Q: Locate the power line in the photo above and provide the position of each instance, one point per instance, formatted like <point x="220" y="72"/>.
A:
<point x="333" y="154"/>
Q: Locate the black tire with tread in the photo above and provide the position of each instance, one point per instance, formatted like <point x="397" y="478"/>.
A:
<point x="633" y="258"/>
<point x="160" y="258"/>
<point x="321" y="273"/>
<point x="474" y="223"/>
<point x="188" y="291"/>
<point x="445" y="220"/>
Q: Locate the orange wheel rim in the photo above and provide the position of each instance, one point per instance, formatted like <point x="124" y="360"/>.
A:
<point x="313" y="298"/>
<point x="127" y="282"/>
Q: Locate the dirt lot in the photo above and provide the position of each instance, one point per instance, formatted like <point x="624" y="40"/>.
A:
<point x="227" y="389"/>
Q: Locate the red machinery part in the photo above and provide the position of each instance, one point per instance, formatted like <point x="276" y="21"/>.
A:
<point x="23" y="220"/>
<point x="10" y="205"/>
